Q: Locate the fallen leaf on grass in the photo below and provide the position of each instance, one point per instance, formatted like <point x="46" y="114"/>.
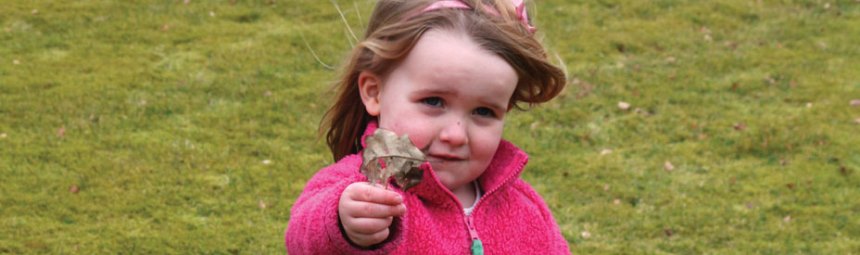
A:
<point x="61" y="132"/>
<point x="387" y="155"/>
<point x="855" y="102"/>
<point x="844" y="171"/>
<point x="585" y="234"/>
<point x="787" y="219"/>
<point x="668" y="166"/>
<point x="605" y="152"/>
<point x="641" y="111"/>
<point x="739" y="126"/>
<point x="3" y="135"/>
<point x="261" y="204"/>
<point x="623" y="105"/>
<point x="16" y="62"/>
<point x="857" y="121"/>
<point x="74" y="189"/>
<point x="668" y="232"/>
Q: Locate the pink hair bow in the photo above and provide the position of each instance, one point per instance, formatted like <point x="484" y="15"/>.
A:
<point x="520" y="6"/>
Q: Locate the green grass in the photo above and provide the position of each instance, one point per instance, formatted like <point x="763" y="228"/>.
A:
<point x="163" y="117"/>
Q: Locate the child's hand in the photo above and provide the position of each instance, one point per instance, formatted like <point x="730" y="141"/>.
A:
<point x="366" y="212"/>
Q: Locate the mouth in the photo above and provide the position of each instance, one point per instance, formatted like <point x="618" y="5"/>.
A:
<point x="441" y="158"/>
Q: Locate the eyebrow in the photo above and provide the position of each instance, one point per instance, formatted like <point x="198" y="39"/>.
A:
<point x="436" y="91"/>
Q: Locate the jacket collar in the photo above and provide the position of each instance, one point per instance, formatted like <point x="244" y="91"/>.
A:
<point x="507" y="164"/>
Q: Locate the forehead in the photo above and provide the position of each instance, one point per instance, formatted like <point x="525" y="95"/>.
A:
<point x="449" y="58"/>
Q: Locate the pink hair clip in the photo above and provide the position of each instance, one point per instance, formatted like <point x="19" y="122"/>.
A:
<point x="520" y="6"/>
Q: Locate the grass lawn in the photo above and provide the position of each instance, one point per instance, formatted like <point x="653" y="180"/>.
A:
<point x="191" y="126"/>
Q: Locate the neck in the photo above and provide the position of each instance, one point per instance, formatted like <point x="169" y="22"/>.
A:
<point x="466" y="194"/>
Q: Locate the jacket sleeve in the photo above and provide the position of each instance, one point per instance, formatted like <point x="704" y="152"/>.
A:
<point x="314" y="226"/>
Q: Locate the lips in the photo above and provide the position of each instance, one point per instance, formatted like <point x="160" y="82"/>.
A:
<point x="443" y="158"/>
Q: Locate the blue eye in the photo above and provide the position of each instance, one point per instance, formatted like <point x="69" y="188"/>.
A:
<point x="432" y="101"/>
<point x="485" y="112"/>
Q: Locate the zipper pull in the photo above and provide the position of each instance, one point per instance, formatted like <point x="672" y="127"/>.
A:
<point x="477" y="245"/>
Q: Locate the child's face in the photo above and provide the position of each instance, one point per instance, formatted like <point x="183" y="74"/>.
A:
<point x="450" y="96"/>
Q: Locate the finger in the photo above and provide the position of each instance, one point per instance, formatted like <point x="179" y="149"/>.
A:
<point x="373" y="210"/>
<point x="366" y="240"/>
<point x="367" y="226"/>
<point x="375" y="194"/>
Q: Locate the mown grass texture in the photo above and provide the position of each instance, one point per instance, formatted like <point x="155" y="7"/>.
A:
<point x="191" y="126"/>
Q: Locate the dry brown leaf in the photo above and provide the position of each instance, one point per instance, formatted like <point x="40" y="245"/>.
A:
<point x="605" y="152"/>
<point x="387" y="155"/>
<point x="261" y="204"/>
<point x="855" y="102"/>
<point x="74" y="189"/>
<point x="668" y="166"/>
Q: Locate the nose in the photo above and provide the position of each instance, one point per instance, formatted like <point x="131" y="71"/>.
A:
<point x="455" y="134"/>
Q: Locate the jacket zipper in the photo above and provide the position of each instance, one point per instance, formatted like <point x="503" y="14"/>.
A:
<point x="477" y="246"/>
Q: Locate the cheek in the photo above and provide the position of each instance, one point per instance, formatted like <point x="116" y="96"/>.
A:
<point x="420" y="136"/>
<point x="417" y="128"/>
<point x="486" y="143"/>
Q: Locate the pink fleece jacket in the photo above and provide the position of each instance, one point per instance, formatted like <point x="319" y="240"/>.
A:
<point x="510" y="217"/>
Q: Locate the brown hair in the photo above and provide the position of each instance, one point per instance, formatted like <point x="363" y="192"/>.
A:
<point x="396" y="25"/>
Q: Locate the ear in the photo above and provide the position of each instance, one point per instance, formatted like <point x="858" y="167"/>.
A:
<point x="370" y="88"/>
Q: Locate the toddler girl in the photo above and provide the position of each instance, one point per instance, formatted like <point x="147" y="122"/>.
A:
<point x="445" y="73"/>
